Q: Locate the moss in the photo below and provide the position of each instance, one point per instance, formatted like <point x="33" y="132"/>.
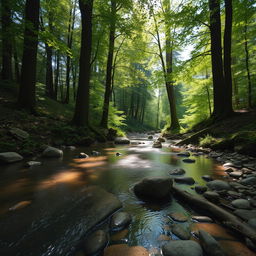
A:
<point x="207" y="141"/>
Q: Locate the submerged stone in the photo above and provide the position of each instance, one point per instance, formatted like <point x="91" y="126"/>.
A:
<point x="120" y="220"/>
<point x="178" y="216"/>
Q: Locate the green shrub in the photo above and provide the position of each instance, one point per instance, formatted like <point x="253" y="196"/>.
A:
<point x="207" y="141"/>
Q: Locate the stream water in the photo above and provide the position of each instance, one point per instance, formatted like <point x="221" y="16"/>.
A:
<point x="51" y="190"/>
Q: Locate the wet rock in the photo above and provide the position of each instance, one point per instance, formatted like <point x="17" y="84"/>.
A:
<point x="182" y="248"/>
<point x="236" y="174"/>
<point x="32" y="164"/>
<point x="150" y="137"/>
<point x="52" y="152"/>
<point x="188" y="160"/>
<point x="211" y="196"/>
<point x="178" y="171"/>
<point x="95" y="153"/>
<point x="241" y="204"/>
<point x="178" y="216"/>
<point x="207" y="178"/>
<point x="157" y="144"/>
<point x="72" y="148"/>
<point x="218" y="185"/>
<point x="10" y="157"/>
<point x="164" y="238"/>
<point x="184" y="154"/>
<point x="19" y="205"/>
<point x="246" y="171"/>
<point x="120" y="220"/>
<point x="234" y="194"/>
<point x="122" y="140"/>
<point x="248" y="181"/>
<point x="209" y="244"/>
<point x="185" y="180"/>
<point x="228" y="170"/>
<point x="161" y="139"/>
<point x="252" y="222"/>
<point x="180" y="232"/>
<point x="19" y="134"/>
<point x="120" y="235"/>
<point x="202" y="219"/>
<point x="125" y="250"/>
<point x="250" y="244"/>
<point x="200" y="189"/>
<point x="82" y="155"/>
<point x="96" y="242"/>
<point x="118" y="154"/>
<point x="154" y="188"/>
<point x="245" y="214"/>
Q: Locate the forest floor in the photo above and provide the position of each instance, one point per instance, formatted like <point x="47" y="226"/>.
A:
<point x="51" y="126"/>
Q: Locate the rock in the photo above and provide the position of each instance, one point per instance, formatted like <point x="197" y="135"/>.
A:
<point x="118" y="154"/>
<point x="125" y="250"/>
<point x="95" y="153"/>
<point x="161" y="139"/>
<point x="241" y="204"/>
<point x="82" y="155"/>
<point x="250" y="244"/>
<point x="52" y="152"/>
<point x="164" y="238"/>
<point x="228" y="170"/>
<point x="207" y="178"/>
<point x="188" y="160"/>
<point x="178" y="171"/>
<point x="155" y="188"/>
<point x="211" y="196"/>
<point x="184" y="154"/>
<point x="236" y="174"/>
<point x="96" y="242"/>
<point x="234" y="194"/>
<point x="122" y="140"/>
<point x="182" y="248"/>
<point x="248" y="181"/>
<point x="205" y="219"/>
<point x="32" y="163"/>
<point x="120" y="220"/>
<point x="10" y="157"/>
<point x="218" y="185"/>
<point x="150" y="137"/>
<point x="252" y="222"/>
<point x="180" y="232"/>
<point x="200" y="189"/>
<point x="185" y="180"/>
<point x="18" y="133"/>
<point x="19" y="205"/>
<point x="210" y="245"/>
<point x="72" y="148"/>
<point x="178" y="216"/>
<point x="157" y="144"/>
<point x="245" y="214"/>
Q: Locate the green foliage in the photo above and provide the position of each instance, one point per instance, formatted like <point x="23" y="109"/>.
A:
<point x="207" y="141"/>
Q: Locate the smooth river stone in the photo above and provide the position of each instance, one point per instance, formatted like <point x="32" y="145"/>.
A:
<point x="178" y="171"/>
<point x="180" y="232"/>
<point x="178" y="216"/>
<point x="120" y="220"/>
<point x="10" y="157"/>
<point x="185" y="180"/>
<point x="125" y="250"/>
<point x="241" y="204"/>
<point x="218" y="185"/>
<point x="202" y="219"/>
<point x="52" y="152"/>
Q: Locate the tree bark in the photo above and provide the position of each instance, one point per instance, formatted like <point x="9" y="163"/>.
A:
<point x="104" y="119"/>
<point x="49" y="73"/>
<point x="6" y="73"/>
<point x="81" y="114"/>
<point x="217" y="63"/>
<point x="57" y="75"/>
<point x="26" y="98"/>
<point x="227" y="56"/>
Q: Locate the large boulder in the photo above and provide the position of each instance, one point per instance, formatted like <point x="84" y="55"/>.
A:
<point x="18" y="133"/>
<point x="182" y="248"/>
<point x="120" y="220"/>
<point x="209" y="244"/>
<point x="155" y="188"/>
<point x="218" y="185"/>
<point x="122" y="140"/>
<point x="10" y="157"/>
<point x="157" y="144"/>
<point x="96" y="242"/>
<point x="52" y="152"/>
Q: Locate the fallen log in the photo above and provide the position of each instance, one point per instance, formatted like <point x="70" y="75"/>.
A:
<point x="226" y="218"/>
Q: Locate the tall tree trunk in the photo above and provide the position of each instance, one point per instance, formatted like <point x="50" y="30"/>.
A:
<point x="57" y="75"/>
<point x="247" y="58"/>
<point x="104" y="119"/>
<point x="6" y="73"/>
<point x="26" y="98"/>
<point x="217" y="64"/>
<point x="81" y="114"/>
<point x="49" y="73"/>
<point x="74" y="78"/>
<point x="16" y="62"/>
<point x="235" y="87"/>
<point x="227" y="56"/>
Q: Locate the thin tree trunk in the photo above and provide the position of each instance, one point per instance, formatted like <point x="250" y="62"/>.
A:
<point x="104" y="119"/>
<point x="235" y="87"/>
<point x="81" y="114"/>
<point x="57" y="75"/>
<point x="26" y="98"/>
<point x="74" y="77"/>
<point x="16" y="62"/>
<point x="227" y="57"/>
<point x="6" y="73"/>
<point x="49" y="73"/>
<point x="247" y="58"/>
<point x="217" y="64"/>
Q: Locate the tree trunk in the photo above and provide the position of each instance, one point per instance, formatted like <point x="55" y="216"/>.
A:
<point x="16" y="62"/>
<point x="227" y="57"/>
<point x="57" y="75"/>
<point x="6" y="40"/>
<point x="49" y="73"/>
<point x="247" y="57"/>
<point x="217" y="64"/>
<point x="81" y="115"/>
<point x="26" y="98"/>
<point x="104" y="119"/>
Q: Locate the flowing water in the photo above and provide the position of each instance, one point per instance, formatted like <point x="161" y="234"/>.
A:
<point x="50" y="196"/>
